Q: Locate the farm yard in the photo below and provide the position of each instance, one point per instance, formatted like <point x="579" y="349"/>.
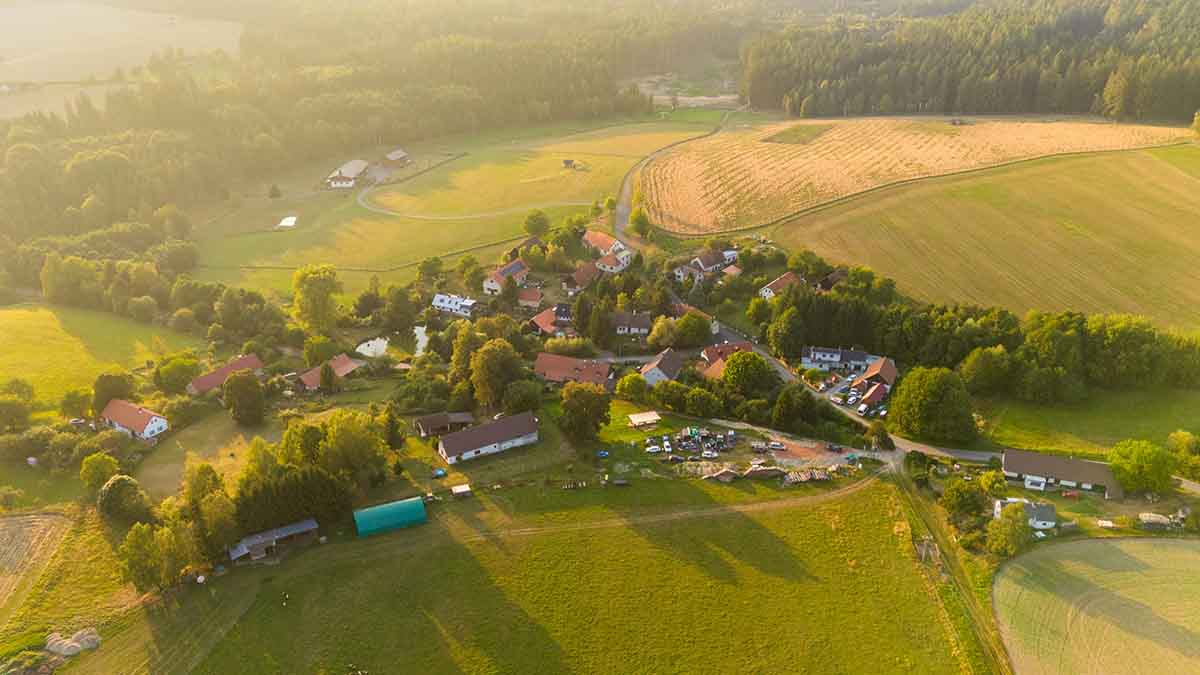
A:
<point x="751" y="174"/>
<point x="1096" y="233"/>
<point x="1102" y="607"/>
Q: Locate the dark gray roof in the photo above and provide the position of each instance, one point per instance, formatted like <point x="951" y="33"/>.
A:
<point x="1060" y="468"/>
<point x="1042" y="511"/>
<point x="669" y="362"/>
<point x="633" y="320"/>
<point x="269" y="537"/>
<point x="442" y="420"/>
<point x="503" y="429"/>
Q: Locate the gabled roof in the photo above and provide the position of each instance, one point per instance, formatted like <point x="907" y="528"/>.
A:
<point x="1025" y="462"/>
<point x="260" y="540"/>
<point x="129" y="415"/>
<point x="342" y="366"/>
<point x="503" y="429"/>
<point x="781" y="282"/>
<point x="709" y="258"/>
<point x="352" y="169"/>
<point x="585" y="274"/>
<point x="610" y="260"/>
<point x="732" y="271"/>
<point x="875" y="394"/>
<point x="558" y="368"/>
<point x="883" y="370"/>
<point x="715" y="371"/>
<point x="668" y="361"/>
<point x="532" y="295"/>
<point x="833" y="279"/>
<point x="599" y="240"/>
<point x="724" y="350"/>
<point x="516" y="269"/>
<point x="209" y="381"/>
<point x="396" y="154"/>
<point x="843" y="355"/>
<point x="544" y="320"/>
<point x="443" y="420"/>
<point x="632" y="320"/>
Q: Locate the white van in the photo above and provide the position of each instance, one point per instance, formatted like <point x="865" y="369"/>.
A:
<point x="862" y="409"/>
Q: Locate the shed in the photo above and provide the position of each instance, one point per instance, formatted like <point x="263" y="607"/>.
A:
<point x="644" y="419"/>
<point x="463" y="490"/>
<point x="390" y="516"/>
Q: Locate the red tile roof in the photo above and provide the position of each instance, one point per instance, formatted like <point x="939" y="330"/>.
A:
<point x="715" y="371"/>
<point x="531" y="296"/>
<point x="599" y="240"/>
<point x="585" y="274"/>
<point x="557" y="368"/>
<point x="209" y="381"/>
<point x="882" y="370"/>
<point x="129" y="415"/>
<point x="610" y="260"/>
<point x="725" y="350"/>
<point x="342" y="366"/>
<point x="784" y="280"/>
<point x="545" y="321"/>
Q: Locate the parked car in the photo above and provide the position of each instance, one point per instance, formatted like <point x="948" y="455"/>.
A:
<point x="603" y="454"/>
<point x="693" y="458"/>
<point x="775" y="445"/>
<point x="675" y="459"/>
<point x="654" y="449"/>
<point x="439" y="473"/>
<point x="709" y="454"/>
<point x="883" y="413"/>
<point x="78" y="422"/>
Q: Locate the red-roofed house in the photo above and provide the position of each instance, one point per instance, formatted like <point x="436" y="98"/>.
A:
<point x="516" y="269"/>
<point x="715" y="353"/>
<point x="715" y="371"/>
<point x="779" y="285"/>
<point x="875" y="394"/>
<point x="881" y="371"/>
<point x="215" y="379"/>
<point x="562" y="369"/>
<point x="679" y="309"/>
<point x="583" y="276"/>
<point x="133" y="419"/>
<point x="602" y="241"/>
<point x="529" y="297"/>
<point x="342" y="366"/>
<point x="613" y="263"/>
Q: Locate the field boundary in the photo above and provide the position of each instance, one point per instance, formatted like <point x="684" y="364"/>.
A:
<point x="838" y="201"/>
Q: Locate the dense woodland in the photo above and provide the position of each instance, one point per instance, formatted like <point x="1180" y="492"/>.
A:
<point x="1125" y="59"/>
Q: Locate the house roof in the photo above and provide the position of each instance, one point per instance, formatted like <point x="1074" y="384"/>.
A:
<point x="679" y="309"/>
<point x="269" y="537"/>
<point x="781" y="282"/>
<point x="503" y="429"/>
<point x="715" y="371"/>
<point x="875" y="394"/>
<point x="530" y="295"/>
<point x="725" y="350"/>
<point x="443" y="420"/>
<point x="610" y="260"/>
<point x="843" y="354"/>
<point x="1026" y="462"/>
<point x="709" y="258"/>
<point x="342" y="366"/>
<point x="833" y="279"/>
<point x="585" y="274"/>
<point x="545" y="321"/>
<point x="882" y="369"/>
<point x="599" y="240"/>
<point x="396" y="154"/>
<point x="352" y="169"/>
<point x="516" y="268"/>
<point x="129" y="415"/>
<point x="1041" y="511"/>
<point x="668" y="361"/>
<point x="633" y="320"/>
<point x="558" y="368"/>
<point x="732" y="271"/>
<point x="211" y="380"/>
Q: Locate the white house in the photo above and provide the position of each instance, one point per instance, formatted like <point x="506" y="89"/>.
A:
<point x="603" y="242"/>
<point x="682" y="272"/>
<point x="1041" y="516"/>
<point x="614" y="263"/>
<point x="1042" y="472"/>
<point x="665" y="366"/>
<point x="779" y="285"/>
<point x="134" y="420"/>
<point x="347" y="175"/>
<point x="505" y="433"/>
<point x="516" y="269"/>
<point x="632" y="323"/>
<point x="453" y="304"/>
<point x="827" y="358"/>
<point x="711" y="262"/>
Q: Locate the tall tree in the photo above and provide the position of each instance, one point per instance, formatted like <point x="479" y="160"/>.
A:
<point x="932" y="404"/>
<point x="585" y="409"/>
<point x="245" y="398"/>
<point x="314" y="304"/>
<point x="493" y="367"/>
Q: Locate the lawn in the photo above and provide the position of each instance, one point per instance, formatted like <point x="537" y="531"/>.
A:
<point x="216" y="439"/>
<point x="1112" y="232"/>
<point x="1103" y="607"/>
<point x="1093" y="426"/>
<point x="58" y="348"/>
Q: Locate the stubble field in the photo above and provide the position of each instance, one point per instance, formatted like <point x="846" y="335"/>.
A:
<point x="753" y="174"/>
<point x="26" y="542"/>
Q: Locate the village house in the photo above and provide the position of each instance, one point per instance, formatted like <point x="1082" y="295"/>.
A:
<point x="603" y="242"/>
<point x="558" y="369"/>
<point x="553" y="321"/>
<point x="529" y="298"/>
<point x="711" y="262"/>
<point x="632" y="323"/>
<point x="731" y="272"/>
<point x="347" y="175"/>
<point x="714" y="370"/>
<point x="516" y="270"/>
<point x="443" y="423"/>
<point x="453" y="304"/>
<point x="683" y="272"/>
<point x="833" y="358"/>
<point x="216" y="378"/>
<point x="880" y="371"/>
<point x="1040" y="472"/>
<point x="342" y="366"/>
<point x="505" y="433"/>
<point x="133" y="419"/>
<point x="714" y="353"/>
<point x="665" y="366"/>
<point x="1041" y="516"/>
<point x="832" y="279"/>
<point x="583" y="276"/>
<point x="779" y="285"/>
<point x="680" y="309"/>
<point x="614" y="263"/>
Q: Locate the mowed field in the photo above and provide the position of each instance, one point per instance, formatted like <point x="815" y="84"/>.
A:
<point x="26" y="542"/>
<point x="59" y="348"/>
<point x="1113" y="606"/>
<point x="1110" y="232"/>
<point x="476" y="201"/>
<point x="752" y="174"/>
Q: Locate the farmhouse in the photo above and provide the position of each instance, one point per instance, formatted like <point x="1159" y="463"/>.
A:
<point x="560" y="369"/>
<point x="529" y="298"/>
<point x="453" y="304"/>
<point x="442" y="423"/>
<point x="881" y="371"/>
<point x="132" y="419"/>
<point x="613" y="263"/>
<point x="516" y="270"/>
<point x="875" y="394"/>
<point x="262" y="544"/>
<point x="682" y="272"/>
<point x="632" y="323"/>
<point x="603" y="242"/>
<point x="215" y="379"/>
<point x="779" y="285"/>
<point x="583" y="276"/>
<point x="715" y="370"/>
<point x="397" y="158"/>
<point x="554" y="321"/>
<point x="720" y="352"/>
<point x="710" y="261"/>
<point x="665" y="366"/>
<point x="390" y="516"/>
<point x="342" y="366"/>
<point x="1041" y="516"/>
<point x="488" y="439"/>
<point x="347" y="175"/>
<point x="832" y="279"/>
<point x="827" y="358"/>
<point x="1039" y="471"/>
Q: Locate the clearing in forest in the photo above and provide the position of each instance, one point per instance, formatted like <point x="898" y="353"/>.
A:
<point x="1109" y="606"/>
<point x="750" y="175"/>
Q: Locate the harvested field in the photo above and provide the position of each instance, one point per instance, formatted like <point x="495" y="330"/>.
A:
<point x="1129" y="606"/>
<point x="26" y="543"/>
<point x="751" y="175"/>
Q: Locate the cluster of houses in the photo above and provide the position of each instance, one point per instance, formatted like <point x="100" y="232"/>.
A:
<point x="708" y="263"/>
<point x="354" y="172"/>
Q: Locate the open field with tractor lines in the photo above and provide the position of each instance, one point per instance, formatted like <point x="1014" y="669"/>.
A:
<point x="752" y="174"/>
<point x="1110" y="606"/>
<point x="1113" y="232"/>
<point x="26" y="542"/>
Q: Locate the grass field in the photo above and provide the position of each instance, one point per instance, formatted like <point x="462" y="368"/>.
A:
<point x="58" y="348"/>
<point x="1111" y="232"/>
<point x="1130" y="606"/>
<point x="26" y="542"/>
<point x="735" y="180"/>
<point x="1092" y="427"/>
<point x="217" y="440"/>
<point x="475" y="201"/>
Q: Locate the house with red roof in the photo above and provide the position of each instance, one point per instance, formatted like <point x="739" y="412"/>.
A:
<point x="342" y="366"/>
<point x="602" y="241"/>
<point x="530" y="298"/>
<point x="216" y="379"/>
<point x="516" y="270"/>
<point x="133" y="419"/>
<point x="779" y="285"/>
<point x="714" y="353"/>
<point x="559" y="369"/>
<point x="583" y="277"/>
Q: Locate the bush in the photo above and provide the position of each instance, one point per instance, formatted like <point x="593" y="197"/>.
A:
<point x="123" y="499"/>
<point x="579" y="347"/>
<point x="143" y="308"/>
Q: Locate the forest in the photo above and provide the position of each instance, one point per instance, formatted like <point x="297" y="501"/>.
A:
<point x="1124" y="59"/>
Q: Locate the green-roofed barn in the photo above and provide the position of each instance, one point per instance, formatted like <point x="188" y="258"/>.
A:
<point x="390" y="516"/>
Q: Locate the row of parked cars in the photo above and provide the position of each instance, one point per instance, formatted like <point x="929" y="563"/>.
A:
<point x="699" y="443"/>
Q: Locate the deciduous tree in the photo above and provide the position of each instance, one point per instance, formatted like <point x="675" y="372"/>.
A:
<point x="493" y="367"/>
<point x="1009" y="534"/>
<point x="1142" y="466"/>
<point x="932" y="404"/>
<point x="750" y="375"/>
<point x="585" y="409"/>
<point x="245" y="398"/>
<point x="96" y="469"/>
<point x="314" y="304"/>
